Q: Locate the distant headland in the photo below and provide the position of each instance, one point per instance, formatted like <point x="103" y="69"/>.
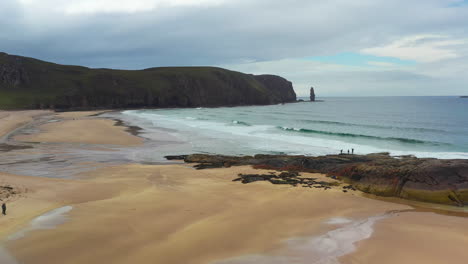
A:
<point x="27" y="83"/>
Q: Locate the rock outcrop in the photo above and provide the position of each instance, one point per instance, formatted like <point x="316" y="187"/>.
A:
<point x="312" y="94"/>
<point x="428" y="180"/>
<point x="27" y="83"/>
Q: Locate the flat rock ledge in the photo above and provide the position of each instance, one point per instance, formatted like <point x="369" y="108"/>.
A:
<point x="422" y="179"/>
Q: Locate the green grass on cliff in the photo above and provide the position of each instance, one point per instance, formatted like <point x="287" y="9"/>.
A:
<point x="31" y="83"/>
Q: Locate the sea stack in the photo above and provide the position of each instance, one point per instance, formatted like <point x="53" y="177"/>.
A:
<point x="312" y="94"/>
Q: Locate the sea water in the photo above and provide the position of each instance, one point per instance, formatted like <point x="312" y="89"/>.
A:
<point x="421" y="126"/>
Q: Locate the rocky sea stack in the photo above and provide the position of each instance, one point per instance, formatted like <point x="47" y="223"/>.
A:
<point x="27" y="83"/>
<point x="312" y="94"/>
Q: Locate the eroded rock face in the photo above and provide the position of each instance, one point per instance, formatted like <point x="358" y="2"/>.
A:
<point x="30" y="84"/>
<point x="12" y="72"/>
<point x="279" y="86"/>
<point x="429" y="180"/>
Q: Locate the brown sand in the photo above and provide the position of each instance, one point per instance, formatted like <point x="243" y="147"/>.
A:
<point x="175" y="214"/>
<point x="79" y="127"/>
<point x="415" y="237"/>
<point x="11" y="120"/>
<point x="36" y="195"/>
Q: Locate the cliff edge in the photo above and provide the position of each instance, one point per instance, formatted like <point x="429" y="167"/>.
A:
<point x="27" y="83"/>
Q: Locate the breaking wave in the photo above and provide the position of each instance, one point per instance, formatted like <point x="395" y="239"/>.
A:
<point x="351" y="135"/>
<point x="420" y="129"/>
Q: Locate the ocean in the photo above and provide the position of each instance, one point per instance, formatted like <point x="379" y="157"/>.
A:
<point x="421" y="126"/>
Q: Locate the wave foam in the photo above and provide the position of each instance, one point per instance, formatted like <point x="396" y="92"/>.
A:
<point x="216" y="136"/>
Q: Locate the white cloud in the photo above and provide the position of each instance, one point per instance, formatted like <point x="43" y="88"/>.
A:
<point x="381" y="64"/>
<point x="420" y="48"/>
<point x="258" y="36"/>
<point x="440" y="78"/>
<point x="76" y="7"/>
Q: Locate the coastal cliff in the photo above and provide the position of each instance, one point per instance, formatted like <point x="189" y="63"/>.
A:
<point x="27" y="83"/>
<point x="408" y="177"/>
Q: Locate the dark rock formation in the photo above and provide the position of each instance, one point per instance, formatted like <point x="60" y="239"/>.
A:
<point x="312" y="94"/>
<point x="429" y="180"/>
<point x="176" y="157"/>
<point x="7" y="191"/>
<point x="289" y="178"/>
<point x="7" y="147"/>
<point x="27" y="83"/>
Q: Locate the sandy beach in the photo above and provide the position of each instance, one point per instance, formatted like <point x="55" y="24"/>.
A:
<point x="11" y="120"/>
<point x="134" y="213"/>
<point x="82" y="127"/>
<point x="415" y="238"/>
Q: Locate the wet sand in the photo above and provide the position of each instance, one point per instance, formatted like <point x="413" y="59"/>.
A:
<point x="84" y="128"/>
<point x="415" y="237"/>
<point x="175" y="214"/>
<point x="133" y="213"/>
<point x="11" y="120"/>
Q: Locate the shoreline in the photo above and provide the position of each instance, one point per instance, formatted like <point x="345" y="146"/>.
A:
<point x="11" y="121"/>
<point x="176" y="214"/>
<point x="69" y="128"/>
<point x="213" y="214"/>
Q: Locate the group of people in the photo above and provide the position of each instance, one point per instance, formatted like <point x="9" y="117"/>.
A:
<point x="352" y="152"/>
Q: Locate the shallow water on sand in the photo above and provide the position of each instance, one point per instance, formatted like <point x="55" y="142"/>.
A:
<point x="49" y="220"/>
<point x="65" y="160"/>
<point x="323" y="249"/>
<point x="6" y="257"/>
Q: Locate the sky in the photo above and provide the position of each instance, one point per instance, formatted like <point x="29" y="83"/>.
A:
<point x="340" y="47"/>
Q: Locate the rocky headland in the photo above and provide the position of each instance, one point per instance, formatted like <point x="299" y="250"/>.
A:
<point x="27" y="83"/>
<point x="408" y="177"/>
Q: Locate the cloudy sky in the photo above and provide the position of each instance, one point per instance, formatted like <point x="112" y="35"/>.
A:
<point x="341" y="47"/>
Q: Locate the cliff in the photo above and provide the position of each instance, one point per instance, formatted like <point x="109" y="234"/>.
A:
<point x="408" y="177"/>
<point x="27" y="83"/>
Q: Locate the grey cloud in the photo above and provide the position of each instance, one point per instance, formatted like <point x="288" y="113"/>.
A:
<point x="259" y="30"/>
<point x="226" y="34"/>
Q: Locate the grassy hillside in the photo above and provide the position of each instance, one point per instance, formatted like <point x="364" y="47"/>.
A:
<point x="28" y="83"/>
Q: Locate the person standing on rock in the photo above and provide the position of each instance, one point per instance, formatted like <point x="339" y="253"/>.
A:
<point x="3" y="208"/>
<point x="341" y="152"/>
<point x="352" y="151"/>
<point x="348" y="151"/>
